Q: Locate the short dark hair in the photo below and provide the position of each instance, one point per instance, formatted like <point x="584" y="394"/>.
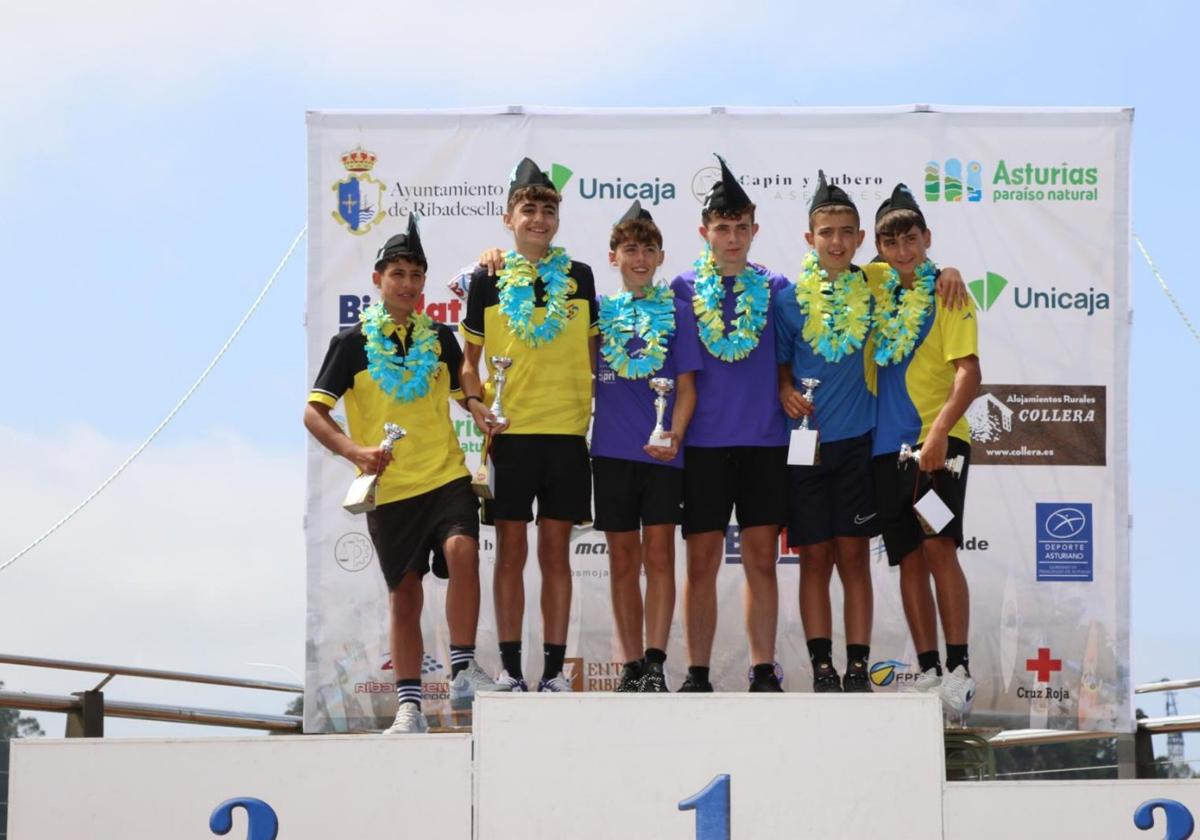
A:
<point x="534" y="192"/>
<point x="395" y="257"/>
<point x="899" y="221"/>
<point x="641" y="231"/>
<point x="707" y="214"/>
<point x="833" y="208"/>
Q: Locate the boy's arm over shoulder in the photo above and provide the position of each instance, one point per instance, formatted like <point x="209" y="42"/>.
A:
<point x="452" y="356"/>
<point x="787" y="322"/>
<point x="582" y="272"/>
<point x="480" y="294"/>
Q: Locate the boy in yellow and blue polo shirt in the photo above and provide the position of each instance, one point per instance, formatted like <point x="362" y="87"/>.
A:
<point x="400" y="367"/>
<point x="928" y="373"/>
<point x="540" y="312"/>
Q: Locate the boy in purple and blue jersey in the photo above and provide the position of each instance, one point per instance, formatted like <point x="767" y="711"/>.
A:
<point x="646" y="334"/>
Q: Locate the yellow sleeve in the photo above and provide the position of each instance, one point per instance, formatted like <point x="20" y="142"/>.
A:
<point x="960" y="331"/>
<point x="323" y="398"/>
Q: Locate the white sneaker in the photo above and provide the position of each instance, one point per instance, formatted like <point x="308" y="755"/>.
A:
<point x="469" y="681"/>
<point x="958" y="692"/>
<point x="555" y="684"/>
<point x="409" y="721"/>
<point x="505" y="682"/>
<point x="927" y="682"/>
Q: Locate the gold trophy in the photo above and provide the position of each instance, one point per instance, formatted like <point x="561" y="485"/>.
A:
<point x="360" y="498"/>
<point x="662" y="386"/>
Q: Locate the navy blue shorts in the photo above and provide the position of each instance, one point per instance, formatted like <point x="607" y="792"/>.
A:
<point x="835" y="498"/>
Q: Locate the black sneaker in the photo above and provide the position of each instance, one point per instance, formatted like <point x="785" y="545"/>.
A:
<point x="857" y="679"/>
<point x="825" y="679"/>
<point x="631" y="679"/>
<point x="691" y="686"/>
<point x="654" y="681"/>
<point x="769" y="684"/>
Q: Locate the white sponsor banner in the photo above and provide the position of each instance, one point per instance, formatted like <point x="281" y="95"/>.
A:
<point x="1031" y="206"/>
<point x="315" y="787"/>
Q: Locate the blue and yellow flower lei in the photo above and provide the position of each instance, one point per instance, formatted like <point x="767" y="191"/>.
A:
<point x="838" y="313"/>
<point x="404" y="378"/>
<point x="650" y="318"/>
<point x="515" y="282"/>
<point x="753" y="297"/>
<point x="900" y="313"/>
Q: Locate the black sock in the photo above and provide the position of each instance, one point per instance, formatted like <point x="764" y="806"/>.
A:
<point x="555" y="654"/>
<point x="409" y="691"/>
<point x="957" y="655"/>
<point x="656" y="656"/>
<point x="510" y="659"/>
<point x="698" y="673"/>
<point x="764" y="671"/>
<point x="929" y="659"/>
<point x="820" y="650"/>
<point x="857" y="653"/>
<point x="460" y="658"/>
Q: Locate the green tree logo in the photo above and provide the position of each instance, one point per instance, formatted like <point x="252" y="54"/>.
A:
<point x="987" y="290"/>
<point x="559" y="175"/>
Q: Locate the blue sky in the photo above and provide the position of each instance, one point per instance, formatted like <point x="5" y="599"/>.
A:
<point x="152" y="164"/>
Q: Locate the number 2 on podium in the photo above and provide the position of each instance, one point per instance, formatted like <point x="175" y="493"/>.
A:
<point x="712" y="809"/>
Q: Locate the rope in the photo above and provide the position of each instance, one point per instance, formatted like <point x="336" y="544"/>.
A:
<point x="1170" y="296"/>
<point x="170" y="416"/>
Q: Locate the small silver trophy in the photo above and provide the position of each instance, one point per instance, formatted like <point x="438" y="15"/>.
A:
<point x="953" y="465"/>
<point x="662" y="386"/>
<point x="803" y="450"/>
<point x="500" y="364"/>
<point x="810" y="385"/>
<point x="360" y="498"/>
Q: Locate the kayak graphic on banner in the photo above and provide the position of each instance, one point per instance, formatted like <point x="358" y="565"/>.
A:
<point x="1049" y="427"/>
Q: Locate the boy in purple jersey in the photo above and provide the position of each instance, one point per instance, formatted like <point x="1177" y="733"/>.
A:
<point x="737" y="441"/>
<point x="646" y="335"/>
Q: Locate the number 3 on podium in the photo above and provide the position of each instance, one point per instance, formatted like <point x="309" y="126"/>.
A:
<point x="712" y="809"/>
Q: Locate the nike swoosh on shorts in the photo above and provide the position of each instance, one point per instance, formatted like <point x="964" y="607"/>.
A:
<point x="862" y="520"/>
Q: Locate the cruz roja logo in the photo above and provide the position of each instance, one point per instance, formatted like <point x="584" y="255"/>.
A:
<point x="1042" y="666"/>
<point x="987" y="290"/>
<point x="359" y="196"/>
<point x="953" y="181"/>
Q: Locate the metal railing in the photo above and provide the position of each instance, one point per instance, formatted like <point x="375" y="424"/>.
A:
<point x="86" y="710"/>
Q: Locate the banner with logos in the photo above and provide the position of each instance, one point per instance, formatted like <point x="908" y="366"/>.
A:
<point x="1032" y="206"/>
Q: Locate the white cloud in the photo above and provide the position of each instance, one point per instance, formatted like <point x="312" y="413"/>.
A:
<point x="192" y="561"/>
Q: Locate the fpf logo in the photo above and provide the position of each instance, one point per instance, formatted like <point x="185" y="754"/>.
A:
<point x="945" y="181"/>
<point x="359" y="195"/>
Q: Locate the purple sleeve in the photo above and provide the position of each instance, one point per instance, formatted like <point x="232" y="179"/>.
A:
<point x="685" y="343"/>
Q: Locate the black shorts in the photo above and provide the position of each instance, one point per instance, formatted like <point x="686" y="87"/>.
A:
<point x="630" y="494"/>
<point x="897" y="487"/>
<point x="554" y="469"/>
<point x="835" y="498"/>
<point x="406" y="532"/>
<point x="716" y="479"/>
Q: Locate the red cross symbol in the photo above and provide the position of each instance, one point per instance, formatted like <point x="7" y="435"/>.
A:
<point x="1043" y="665"/>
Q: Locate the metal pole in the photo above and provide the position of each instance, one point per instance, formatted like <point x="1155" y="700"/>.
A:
<point x="149" y="711"/>
<point x="148" y="673"/>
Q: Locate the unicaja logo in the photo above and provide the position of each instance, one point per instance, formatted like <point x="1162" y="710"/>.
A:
<point x="946" y="181"/>
<point x="559" y="175"/>
<point x="987" y="290"/>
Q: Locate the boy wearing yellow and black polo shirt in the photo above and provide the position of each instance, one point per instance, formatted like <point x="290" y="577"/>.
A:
<point x="928" y="373"/>
<point x="400" y="367"/>
<point x="540" y="312"/>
